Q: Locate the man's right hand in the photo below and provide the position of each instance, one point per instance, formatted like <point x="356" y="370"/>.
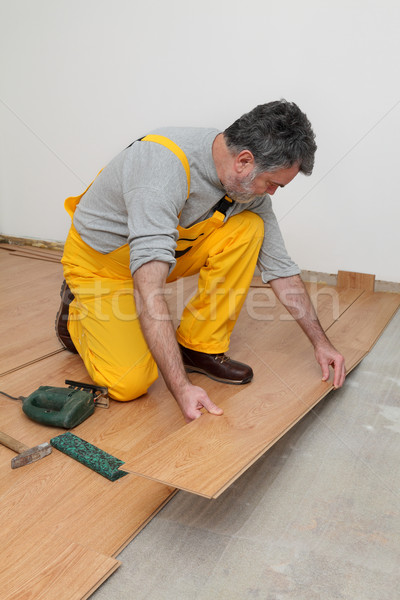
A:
<point x="156" y="324"/>
<point x="192" y="399"/>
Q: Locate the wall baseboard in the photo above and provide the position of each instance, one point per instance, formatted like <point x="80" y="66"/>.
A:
<point x="18" y="241"/>
<point x="330" y="279"/>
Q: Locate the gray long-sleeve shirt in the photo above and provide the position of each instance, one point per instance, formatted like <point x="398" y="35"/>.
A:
<point x="141" y="195"/>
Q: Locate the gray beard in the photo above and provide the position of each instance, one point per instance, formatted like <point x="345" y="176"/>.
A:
<point x="241" y="197"/>
<point x="241" y="192"/>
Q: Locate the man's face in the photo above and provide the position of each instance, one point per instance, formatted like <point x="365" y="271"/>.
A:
<point x="245" y="188"/>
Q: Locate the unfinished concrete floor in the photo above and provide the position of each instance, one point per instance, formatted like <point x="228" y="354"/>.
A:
<point x="316" y="518"/>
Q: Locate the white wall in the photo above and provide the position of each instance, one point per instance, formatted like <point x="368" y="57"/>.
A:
<point x="80" y="79"/>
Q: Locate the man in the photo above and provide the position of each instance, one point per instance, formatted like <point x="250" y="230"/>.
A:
<point x="177" y="202"/>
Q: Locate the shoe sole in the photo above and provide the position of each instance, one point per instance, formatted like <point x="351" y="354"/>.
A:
<point x="219" y="379"/>
<point x="58" y="315"/>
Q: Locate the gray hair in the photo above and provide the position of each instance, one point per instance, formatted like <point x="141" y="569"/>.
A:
<point x="278" y="135"/>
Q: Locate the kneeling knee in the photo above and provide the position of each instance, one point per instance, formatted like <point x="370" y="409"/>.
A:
<point x="132" y="383"/>
<point x="130" y="388"/>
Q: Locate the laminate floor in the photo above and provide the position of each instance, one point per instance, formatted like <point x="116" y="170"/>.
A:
<point x="209" y="454"/>
<point x="61" y="524"/>
<point x="29" y="300"/>
<point x="61" y="509"/>
<point x="315" y="518"/>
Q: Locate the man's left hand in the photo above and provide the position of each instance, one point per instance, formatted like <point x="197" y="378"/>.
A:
<point x="327" y="356"/>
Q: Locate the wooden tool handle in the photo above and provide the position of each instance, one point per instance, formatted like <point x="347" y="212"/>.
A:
<point x="11" y="443"/>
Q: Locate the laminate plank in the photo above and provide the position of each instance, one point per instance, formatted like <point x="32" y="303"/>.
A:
<point x="281" y="344"/>
<point x="207" y="455"/>
<point x="274" y="330"/>
<point x="29" y="252"/>
<point x="363" y="324"/>
<point x="80" y="504"/>
<point x="20" y="272"/>
<point x="32" y="251"/>
<point x="351" y="279"/>
<point x="57" y="495"/>
<point x="55" y="569"/>
<point x="210" y="453"/>
<point x="29" y="300"/>
<point x="35" y="257"/>
<point x="132" y="427"/>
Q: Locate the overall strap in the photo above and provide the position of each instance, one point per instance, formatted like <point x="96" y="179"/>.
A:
<point x="164" y="141"/>
<point x="221" y="208"/>
<point x="223" y="205"/>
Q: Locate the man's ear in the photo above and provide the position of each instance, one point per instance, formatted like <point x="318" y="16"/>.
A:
<point x="244" y="162"/>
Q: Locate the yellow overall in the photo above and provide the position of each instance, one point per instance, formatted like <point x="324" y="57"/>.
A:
<point x="103" y="322"/>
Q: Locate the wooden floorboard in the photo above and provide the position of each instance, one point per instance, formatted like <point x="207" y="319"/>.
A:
<point x="29" y="300"/>
<point x="210" y="453"/>
<point x="350" y="279"/>
<point x="80" y="504"/>
<point x="58" y="504"/>
<point x="53" y="569"/>
<point x="57" y="496"/>
<point x="32" y="252"/>
<point x="359" y="328"/>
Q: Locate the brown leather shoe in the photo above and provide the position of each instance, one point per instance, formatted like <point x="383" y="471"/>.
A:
<point x="216" y="366"/>
<point x="62" y="318"/>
